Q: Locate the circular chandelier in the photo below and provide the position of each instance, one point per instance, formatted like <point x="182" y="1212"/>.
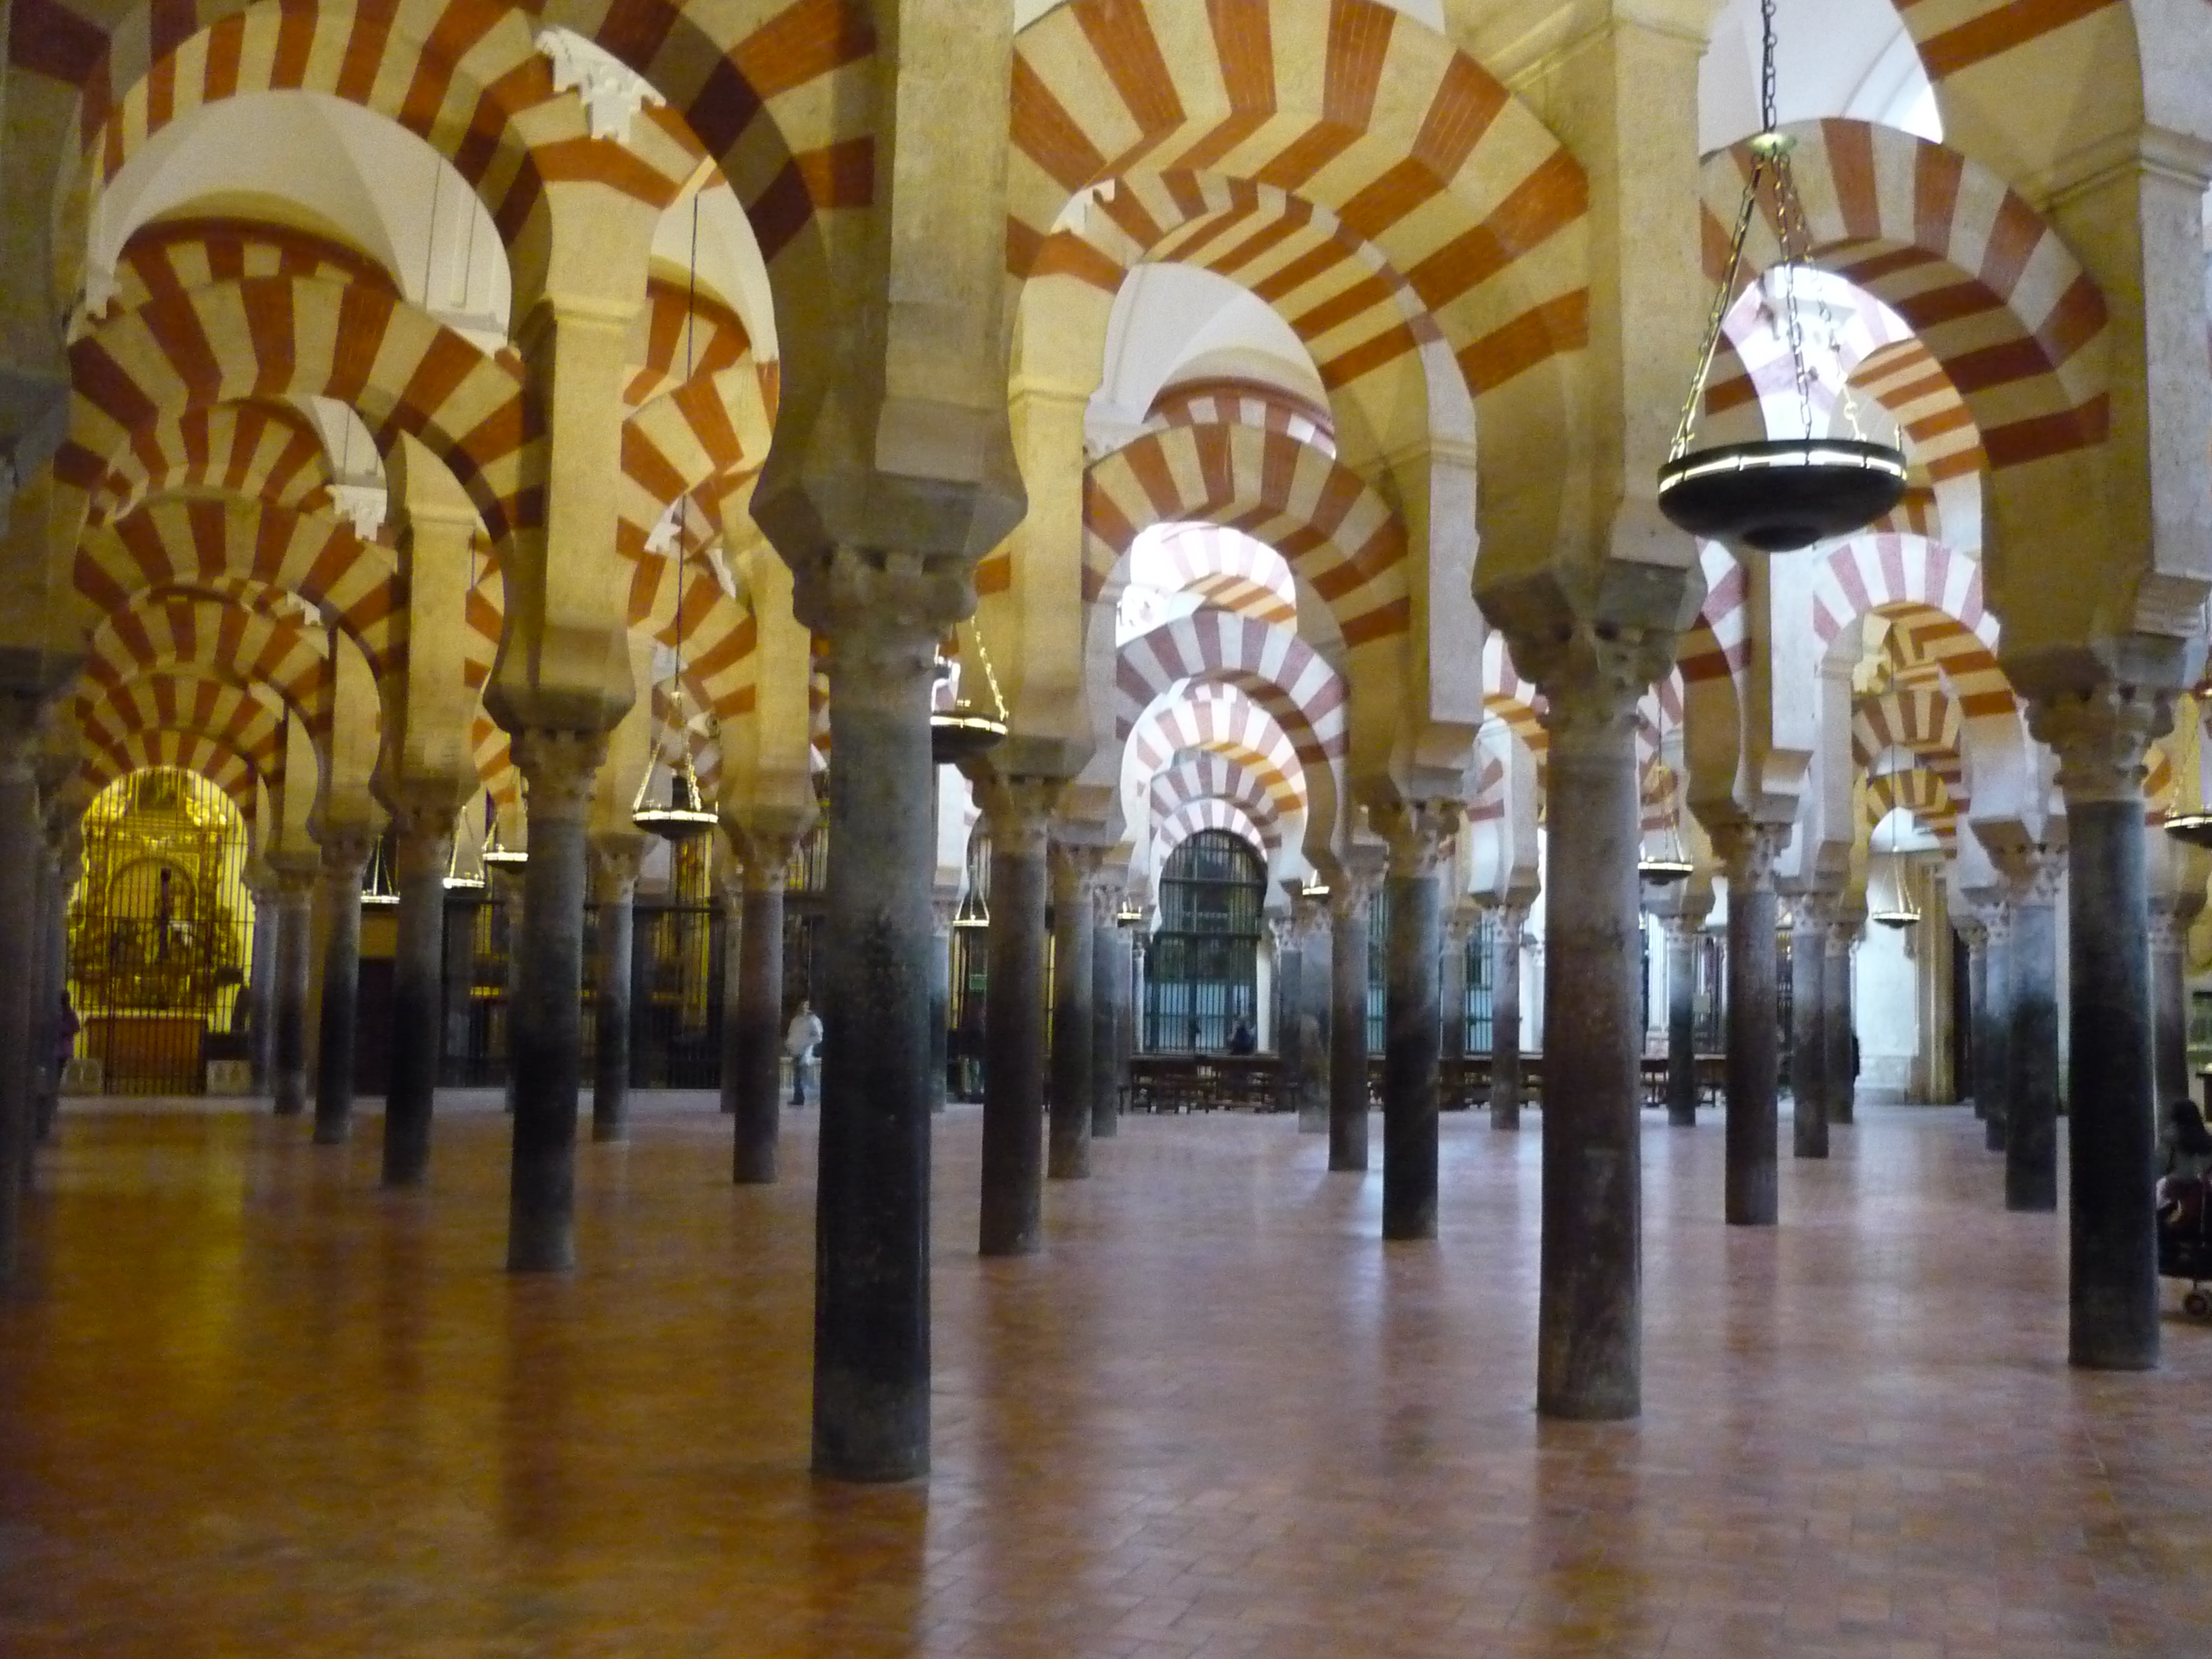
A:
<point x="974" y="716"/>
<point x="1900" y="912"/>
<point x="1779" y="494"/>
<point x="2195" y="825"/>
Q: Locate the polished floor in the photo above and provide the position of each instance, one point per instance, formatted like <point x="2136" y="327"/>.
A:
<point x="251" y="1406"/>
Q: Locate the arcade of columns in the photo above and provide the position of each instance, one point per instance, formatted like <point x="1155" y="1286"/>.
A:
<point x="798" y="486"/>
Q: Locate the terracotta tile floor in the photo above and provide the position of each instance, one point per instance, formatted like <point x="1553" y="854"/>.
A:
<point x="250" y="1405"/>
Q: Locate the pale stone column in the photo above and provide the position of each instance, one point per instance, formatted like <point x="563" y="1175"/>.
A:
<point x="2031" y="1045"/>
<point x="614" y="858"/>
<point x="1505" y="1017"/>
<point x="2169" y="991"/>
<point x="756" y="1156"/>
<point x="1976" y="938"/>
<point x="1839" y="1089"/>
<point x="424" y="833"/>
<point x="1074" y="870"/>
<point x="1993" y="1076"/>
<point x="1808" y="1037"/>
<point x="261" y="886"/>
<point x="345" y="855"/>
<point x="1020" y="811"/>
<point x="1748" y="852"/>
<point x="20" y="854"/>
<point x="1310" y="1018"/>
<point x="883" y="617"/>
<point x="1419" y="834"/>
<point x="1682" y="934"/>
<point x="545" y="1025"/>
<point x="1589" y="1314"/>
<point x="1351" y="897"/>
<point x="2100" y="736"/>
<point x="732" y="889"/>
<point x="296" y="895"/>
<point x="1109" y="1008"/>
<point x="1451" y="995"/>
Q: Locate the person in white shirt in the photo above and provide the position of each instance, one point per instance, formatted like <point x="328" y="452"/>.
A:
<point x="802" y="1038"/>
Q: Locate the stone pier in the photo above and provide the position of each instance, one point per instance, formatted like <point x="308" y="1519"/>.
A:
<point x="1351" y="899"/>
<point x="1752" y="1122"/>
<point x="423" y="834"/>
<point x="1419" y="835"/>
<point x="615" y="857"/>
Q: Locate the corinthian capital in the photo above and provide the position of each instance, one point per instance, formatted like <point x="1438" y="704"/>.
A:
<point x="2101" y="735"/>
<point x="1416" y="832"/>
<point x="559" y="767"/>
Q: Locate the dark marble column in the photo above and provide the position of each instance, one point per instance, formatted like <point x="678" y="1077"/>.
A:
<point x="1589" y="1313"/>
<point x="1993" y="1072"/>
<point x="57" y="878"/>
<point x="1459" y="925"/>
<point x="2169" y="1000"/>
<point x="1418" y="832"/>
<point x="1835" y="1027"/>
<point x="615" y="857"/>
<point x="545" y="1024"/>
<point x="733" y="891"/>
<point x="1020" y="811"/>
<point x="1808" y="1035"/>
<point x="2101" y="736"/>
<point x="1682" y="934"/>
<point x="1350" y="899"/>
<point x="1505" y="1016"/>
<point x="261" y="886"/>
<point x="1975" y="937"/>
<point x="755" y="1157"/>
<point x="1109" y="1003"/>
<point x="21" y="851"/>
<point x="882" y="617"/>
<point x="1074" y="869"/>
<point x="2032" y="1098"/>
<point x="1749" y="851"/>
<point x="424" y="834"/>
<point x="345" y="855"/>
<point x="1309" y="1016"/>
<point x="296" y="895"/>
<point x="942" y="913"/>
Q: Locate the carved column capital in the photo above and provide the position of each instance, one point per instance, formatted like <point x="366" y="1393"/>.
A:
<point x="2169" y="932"/>
<point x="616" y="855"/>
<point x="1018" y="812"/>
<point x="1592" y="677"/>
<point x="559" y="769"/>
<point x="883" y="614"/>
<point x="294" y="876"/>
<point x="1352" y="892"/>
<point x="1282" y="932"/>
<point x="1683" y="930"/>
<point x="1107" y="886"/>
<point x="2101" y="736"/>
<point x="1417" y="833"/>
<point x="345" y="852"/>
<point x="765" y="850"/>
<point x="2032" y="875"/>
<point x="1748" y="852"/>
<point x="1974" y="931"/>
<point x="943" y="912"/>
<point x="1460" y="923"/>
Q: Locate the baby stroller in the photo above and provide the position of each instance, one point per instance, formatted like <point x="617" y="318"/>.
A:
<point x="2184" y="1238"/>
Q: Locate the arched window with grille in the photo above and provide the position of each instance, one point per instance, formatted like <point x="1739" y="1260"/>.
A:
<point x="1201" y="967"/>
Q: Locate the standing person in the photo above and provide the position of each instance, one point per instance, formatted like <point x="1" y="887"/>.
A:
<point x="2186" y="1143"/>
<point x="800" y="1040"/>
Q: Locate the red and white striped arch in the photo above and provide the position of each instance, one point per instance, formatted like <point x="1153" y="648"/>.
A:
<point x="1920" y="791"/>
<point x="1991" y="289"/>
<point x="191" y="541"/>
<point x="248" y="719"/>
<point x="215" y="639"/>
<point x="1192" y="817"/>
<point x="1218" y="402"/>
<point x="1276" y="669"/>
<point x="1921" y="721"/>
<point x="253" y="447"/>
<point x="1336" y="533"/>
<point x="1897" y="574"/>
<point x="195" y="752"/>
<point x="1406" y="144"/>
<point x="1204" y="776"/>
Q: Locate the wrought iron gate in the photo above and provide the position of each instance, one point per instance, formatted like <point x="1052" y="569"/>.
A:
<point x="160" y="930"/>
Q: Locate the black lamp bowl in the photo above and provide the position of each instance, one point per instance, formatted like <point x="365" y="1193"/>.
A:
<point x="1782" y="494"/>
<point x="1664" y="872"/>
<point x="2194" y="828"/>
<point x="956" y="737"/>
<point x="1895" y="918"/>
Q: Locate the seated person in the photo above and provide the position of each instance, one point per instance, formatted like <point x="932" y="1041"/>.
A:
<point x="1241" y="1040"/>
<point x="2185" y="1141"/>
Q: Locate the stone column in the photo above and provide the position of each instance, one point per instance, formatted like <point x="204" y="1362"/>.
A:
<point x="57" y="876"/>
<point x="2100" y="736"/>
<point x="1109" y="1010"/>
<point x="1589" y="1314"/>
<point x="732" y="889"/>
<point x="942" y="914"/>
<point x="615" y="857"/>
<point x="1350" y="897"/>
<point x="1020" y="810"/>
<point x="261" y="885"/>
<point x="295" y="893"/>
<point x="1682" y="932"/>
<point x="345" y="855"/>
<point x="1452" y="993"/>
<point x="1505" y="1016"/>
<point x="2032" y="1047"/>
<point x="21" y="851"/>
<point x="1808" y="1034"/>
<point x="1993" y="1067"/>
<point x="1835" y="1027"/>
<point x="1288" y="981"/>
<point x="2169" y="995"/>
<point x="1074" y="883"/>
<point x="461" y="965"/>
<point x="1310" y="1017"/>
<point x="758" y="1132"/>
<point x="1419" y="834"/>
<point x="882" y="617"/>
<point x="1976" y="938"/>
<point x="545" y="1025"/>
<point x="1748" y="852"/>
<point x="424" y="834"/>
